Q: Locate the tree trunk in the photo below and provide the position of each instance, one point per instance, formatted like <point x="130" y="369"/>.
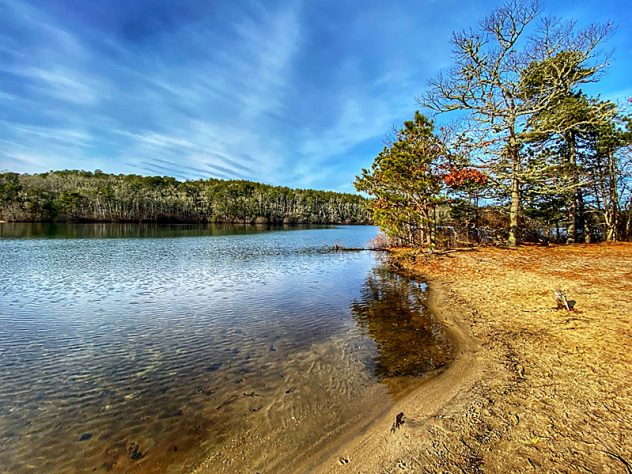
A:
<point x="514" y="213"/>
<point x="515" y="208"/>
<point x="427" y="228"/>
<point x="572" y="203"/>
<point x="611" y="225"/>
<point x="581" y="210"/>
<point x="571" y="228"/>
<point x="613" y="198"/>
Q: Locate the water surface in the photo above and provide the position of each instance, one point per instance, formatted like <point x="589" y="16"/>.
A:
<point x="158" y="348"/>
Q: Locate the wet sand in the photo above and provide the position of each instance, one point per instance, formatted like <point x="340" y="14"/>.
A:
<point x="533" y="388"/>
<point x="332" y="396"/>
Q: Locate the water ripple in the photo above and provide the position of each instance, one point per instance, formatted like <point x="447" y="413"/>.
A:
<point x="106" y="342"/>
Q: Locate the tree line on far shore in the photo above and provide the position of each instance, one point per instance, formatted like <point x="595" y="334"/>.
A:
<point x="531" y="155"/>
<point x="72" y="195"/>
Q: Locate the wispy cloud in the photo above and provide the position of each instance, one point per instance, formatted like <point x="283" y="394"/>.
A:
<point x="63" y="84"/>
<point x="291" y="92"/>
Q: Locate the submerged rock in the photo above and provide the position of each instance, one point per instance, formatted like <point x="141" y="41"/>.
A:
<point x="213" y="367"/>
<point x="134" y="452"/>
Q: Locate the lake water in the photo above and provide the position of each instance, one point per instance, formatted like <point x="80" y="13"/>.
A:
<point x="150" y="348"/>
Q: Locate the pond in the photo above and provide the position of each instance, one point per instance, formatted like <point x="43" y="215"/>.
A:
<point x="162" y="348"/>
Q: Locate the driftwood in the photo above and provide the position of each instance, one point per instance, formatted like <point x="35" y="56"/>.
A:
<point x="399" y="421"/>
<point x="562" y="301"/>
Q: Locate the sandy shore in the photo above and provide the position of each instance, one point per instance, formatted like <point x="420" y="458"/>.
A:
<point x="533" y="388"/>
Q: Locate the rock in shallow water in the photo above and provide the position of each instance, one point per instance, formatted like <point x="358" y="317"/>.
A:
<point x="134" y="452"/>
<point x="213" y="367"/>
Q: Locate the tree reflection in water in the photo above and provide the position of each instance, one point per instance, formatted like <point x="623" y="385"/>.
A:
<point x="393" y="312"/>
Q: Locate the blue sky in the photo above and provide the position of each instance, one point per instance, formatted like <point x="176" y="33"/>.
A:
<point x="295" y="93"/>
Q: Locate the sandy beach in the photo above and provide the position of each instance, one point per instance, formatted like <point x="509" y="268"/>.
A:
<point x="533" y="388"/>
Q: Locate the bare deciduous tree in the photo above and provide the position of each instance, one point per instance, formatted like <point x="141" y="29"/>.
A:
<point x="504" y="76"/>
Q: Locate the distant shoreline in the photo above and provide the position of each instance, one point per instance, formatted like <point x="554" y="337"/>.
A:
<point x="176" y="222"/>
<point x="86" y="196"/>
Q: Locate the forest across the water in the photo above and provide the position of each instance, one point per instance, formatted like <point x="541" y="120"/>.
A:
<point x="73" y="195"/>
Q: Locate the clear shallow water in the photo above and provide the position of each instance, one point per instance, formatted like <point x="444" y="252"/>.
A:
<point x="152" y="348"/>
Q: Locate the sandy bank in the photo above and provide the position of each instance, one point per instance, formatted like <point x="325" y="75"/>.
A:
<point x="533" y="389"/>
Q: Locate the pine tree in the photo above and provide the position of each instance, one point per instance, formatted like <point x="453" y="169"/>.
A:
<point x="406" y="181"/>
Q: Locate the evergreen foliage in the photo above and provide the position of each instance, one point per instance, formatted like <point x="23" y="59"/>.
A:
<point x="406" y="181"/>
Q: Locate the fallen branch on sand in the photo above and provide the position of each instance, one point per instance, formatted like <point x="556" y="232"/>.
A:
<point x="399" y="421"/>
<point x="562" y="301"/>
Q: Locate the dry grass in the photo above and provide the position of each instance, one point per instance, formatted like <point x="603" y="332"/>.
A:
<point x="555" y="394"/>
